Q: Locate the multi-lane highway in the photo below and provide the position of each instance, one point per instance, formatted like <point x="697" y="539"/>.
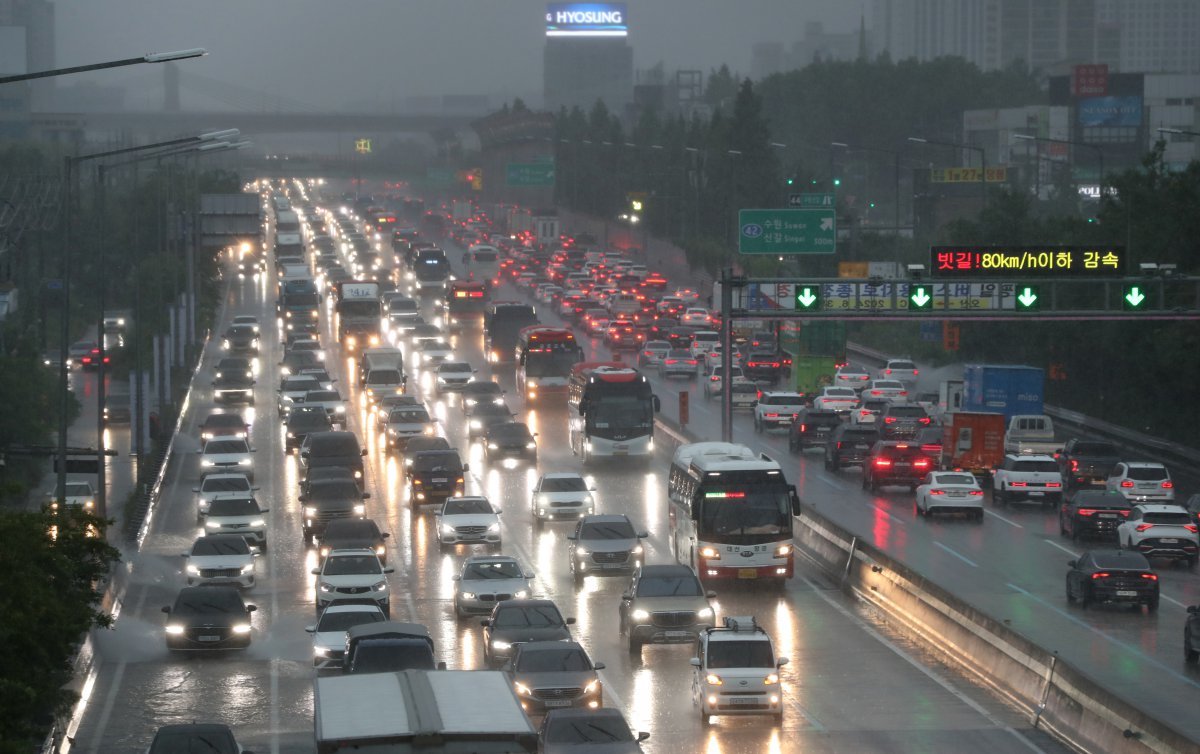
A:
<point x="848" y="687"/>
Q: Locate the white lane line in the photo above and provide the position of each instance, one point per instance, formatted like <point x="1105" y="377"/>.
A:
<point x="889" y="515"/>
<point x="1084" y="624"/>
<point x="1052" y="543"/>
<point x="1172" y="601"/>
<point x="834" y="483"/>
<point x="1010" y="522"/>
<point x="961" y="557"/>
<point x="946" y="685"/>
<point x="275" y="467"/>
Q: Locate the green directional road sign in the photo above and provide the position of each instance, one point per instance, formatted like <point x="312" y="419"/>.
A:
<point x="920" y="298"/>
<point x="1029" y="299"/>
<point x="529" y="174"/>
<point x="787" y="231"/>
<point x="811" y="201"/>
<point x="1134" y="298"/>
<point x="808" y="297"/>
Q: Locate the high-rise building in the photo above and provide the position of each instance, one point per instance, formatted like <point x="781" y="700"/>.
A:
<point x="587" y="57"/>
<point x="1156" y="36"/>
<point x="30" y="25"/>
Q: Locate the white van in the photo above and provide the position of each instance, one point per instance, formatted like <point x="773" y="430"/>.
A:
<point x="483" y="263"/>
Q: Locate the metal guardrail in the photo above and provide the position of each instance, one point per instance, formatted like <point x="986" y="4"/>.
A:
<point x="1130" y="439"/>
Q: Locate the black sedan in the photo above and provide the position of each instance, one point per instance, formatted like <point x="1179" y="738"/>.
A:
<point x="303" y="420"/>
<point x="516" y="621"/>
<point x="1112" y="576"/>
<point x="576" y="730"/>
<point x="1093" y="513"/>
<point x="485" y="416"/>
<point x="353" y="534"/>
<point x="224" y="425"/>
<point x="240" y="339"/>
<point x="208" y="618"/>
<point x="510" y="440"/>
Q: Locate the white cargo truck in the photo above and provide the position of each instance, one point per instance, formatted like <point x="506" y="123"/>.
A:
<point x="421" y="712"/>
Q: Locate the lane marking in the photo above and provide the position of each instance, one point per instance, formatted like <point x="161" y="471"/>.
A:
<point x="927" y="672"/>
<point x="961" y="557"/>
<point x="834" y="483"/>
<point x="1052" y="543"/>
<point x="1117" y="642"/>
<point x="886" y="513"/>
<point x="1010" y="522"/>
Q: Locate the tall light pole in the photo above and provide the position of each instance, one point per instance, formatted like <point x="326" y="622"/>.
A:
<point x="152" y="57"/>
<point x="731" y="214"/>
<point x="1099" y="151"/>
<point x="957" y="145"/>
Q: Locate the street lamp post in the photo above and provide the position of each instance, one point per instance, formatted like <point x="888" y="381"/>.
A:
<point x="153" y="57"/>
<point x="731" y="214"/>
<point x="957" y="145"/>
<point x="1099" y="151"/>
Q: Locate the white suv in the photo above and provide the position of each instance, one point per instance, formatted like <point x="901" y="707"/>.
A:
<point x="899" y="369"/>
<point x="1032" y="478"/>
<point x="777" y="409"/>
<point x="353" y="574"/>
<point x="1161" y="531"/>
<point x="1142" y="482"/>
<point x="735" y="671"/>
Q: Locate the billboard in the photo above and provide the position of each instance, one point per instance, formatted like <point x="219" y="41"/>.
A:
<point x="586" y="20"/>
<point x="1097" y="112"/>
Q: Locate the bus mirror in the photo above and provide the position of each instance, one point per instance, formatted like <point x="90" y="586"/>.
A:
<point x="795" y="498"/>
<point x="657" y="404"/>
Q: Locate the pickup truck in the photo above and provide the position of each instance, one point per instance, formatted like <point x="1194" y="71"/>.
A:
<point x="1086" y="463"/>
<point x="1031" y="434"/>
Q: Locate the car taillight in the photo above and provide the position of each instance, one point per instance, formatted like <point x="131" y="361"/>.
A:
<point x="924" y="420"/>
<point x="887" y="371"/>
<point x="1168" y="485"/>
<point x="1053" y="484"/>
<point x="937" y="492"/>
<point x="1074" y="465"/>
<point x="1018" y="484"/>
<point x="875" y="392"/>
<point x="921" y="463"/>
<point x="1086" y="512"/>
<point x="772" y="416"/>
<point x="804" y="428"/>
<point x="1193" y="528"/>
<point x="1101" y="575"/>
<point x="883" y="462"/>
<point x="1143" y="527"/>
<point x="890" y="420"/>
<point x="1126" y="484"/>
<point x="931" y="448"/>
<point x="1150" y="576"/>
<point x="976" y="493"/>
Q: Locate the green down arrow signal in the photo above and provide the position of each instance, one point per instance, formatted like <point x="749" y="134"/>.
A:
<point x="1134" y="297"/>
<point x="1028" y="298"/>
<point x="919" y="297"/>
<point x="807" y="298"/>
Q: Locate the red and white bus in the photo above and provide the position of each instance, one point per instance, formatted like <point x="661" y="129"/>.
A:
<point x="731" y="512"/>
<point x="545" y="356"/>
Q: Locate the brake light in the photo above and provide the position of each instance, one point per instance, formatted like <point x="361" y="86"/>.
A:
<point x="1074" y="465"/>
<point x="1101" y="575"/>
<point x="1143" y="527"/>
<point x="1193" y="528"/>
<point x="976" y="493"/>
<point x="1086" y="512"/>
<point x="1018" y="484"/>
<point x="883" y="462"/>
<point x="937" y="492"/>
<point x="890" y="420"/>
<point x="772" y="416"/>
<point x="887" y="371"/>
<point x="921" y="463"/>
<point x="1126" y="484"/>
<point x="1168" y="485"/>
<point x="915" y="373"/>
<point x="1053" y="484"/>
<point x="1150" y="576"/>
<point x="875" y="392"/>
<point x="804" y="428"/>
<point x="924" y="420"/>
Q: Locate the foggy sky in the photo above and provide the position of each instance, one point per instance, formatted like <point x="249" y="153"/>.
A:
<point x="327" y="53"/>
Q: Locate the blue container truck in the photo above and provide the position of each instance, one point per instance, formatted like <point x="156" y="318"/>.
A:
<point x="1003" y="389"/>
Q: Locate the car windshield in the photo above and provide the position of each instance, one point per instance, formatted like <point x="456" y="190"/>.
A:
<point x="954" y="479"/>
<point x="1146" y="473"/>
<point x="308" y="420"/>
<point x="334" y="446"/>
<point x="349" y="565"/>
<point x="194" y="742"/>
<point x="902" y="366"/>
<point x="528" y="616"/>
<point x="300" y="384"/>
<point x="1167" y="517"/>
<point x="314" y="396"/>
<point x="683" y="585"/>
<point x="839" y="392"/>
<point x="383" y="377"/>
<point x="408" y="416"/>
<point x="466" y="505"/>
<point x="403" y="305"/>
<point x="889" y="384"/>
<point x="225" y="420"/>
<point x="344" y="621"/>
<point x="436" y="461"/>
<point x="781" y="400"/>
<point x="907" y="412"/>
<point x="333" y="489"/>
<point x="233" y="507"/>
<point x="78" y="489"/>
<point x="501" y="569"/>
<point x="1094" y="449"/>
<point x="225" y="446"/>
<point x="590" y="729"/>
<point x="563" y="484"/>
<point x="511" y="431"/>
<point x="607" y="530"/>
<point x="220" y="546"/>
<point x="864" y="437"/>
<point x="435" y="345"/>
<point x="1030" y="466"/>
<point x="740" y="654"/>
<point x="351" y="528"/>
<point x="208" y="599"/>
<point x="454" y="367"/>
<point x="554" y="660"/>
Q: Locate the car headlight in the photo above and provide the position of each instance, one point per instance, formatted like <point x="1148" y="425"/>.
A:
<point x="637" y="550"/>
<point x="212" y="524"/>
<point x="379" y="586"/>
<point x="771" y="679"/>
<point x="476" y="424"/>
<point x="521" y="594"/>
<point x="582" y="551"/>
<point x="248" y="568"/>
<point x="325" y="587"/>
<point x="530" y="445"/>
<point x="493" y="528"/>
<point x="310" y="510"/>
<point x="712" y="679"/>
<point x="531" y="383"/>
<point x="522" y="688"/>
<point x="291" y="435"/>
<point x="193" y="570"/>
<point x="498" y="401"/>
<point x="468" y="595"/>
<point x="206" y="462"/>
<point x="225" y="344"/>
<point x="429" y="429"/>
<point x="320" y="652"/>
<point x="380" y="551"/>
<point x="493" y="446"/>
<point x="241" y="628"/>
<point x="640" y="614"/>
<point x="705" y="613"/>
<point x="244" y="462"/>
<point x="258" y="522"/>
<point x="339" y="409"/>
<point x="501" y="645"/>
<point x="360" y="509"/>
<point x="711" y="553"/>
<point x="783" y="550"/>
<point x="174" y="630"/>
<point x="447" y="529"/>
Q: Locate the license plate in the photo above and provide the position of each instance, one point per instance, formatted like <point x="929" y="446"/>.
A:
<point x="747" y="573"/>
<point x="1171" y="541"/>
<point x="1126" y="593"/>
<point x="439" y="480"/>
<point x="620" y="446"/>
<point x="677" y="634"/>
<point x="208" y="638"/>
<point x="1036" y="494"/>
<point x="1108" y="515"/>
<point x="558" y="702"/>
<point x="736" y="700"/>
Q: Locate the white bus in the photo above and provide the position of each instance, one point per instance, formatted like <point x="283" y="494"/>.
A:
<point x="731" y="512"/>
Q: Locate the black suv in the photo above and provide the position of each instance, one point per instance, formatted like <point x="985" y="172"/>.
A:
<point x="901" y="421"/>
<point x="812" y="428"/>
<point x="1093" y="513"/>
<point x="436" y="475"/>
<point x="895" y="463"/>
<point x="332" y="449"/>
<point x="849" y="445"/>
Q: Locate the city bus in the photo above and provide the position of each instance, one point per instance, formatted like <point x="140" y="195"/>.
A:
<point x="731" y="512"/>
<point x="610" y="411"/>
<point x="545" y="357"/>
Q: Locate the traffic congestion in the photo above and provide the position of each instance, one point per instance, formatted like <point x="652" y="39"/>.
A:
<point x="425" y="441"/>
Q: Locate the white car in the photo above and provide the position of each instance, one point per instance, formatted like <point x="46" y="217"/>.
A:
<point x="868" y="411"/>
<point x="486" y="580"/>
<point x="889" y="390"/>
<point x="292" y="390"/>
<point x="215" y="486"/>
<point x="704" y="341"/>
<point x="308" y="344"/>
<point x="468" y="521"/>
<point x="246" y="319"/>
<point x="330" y="630"/>
<point x="776" y="409"/>
<point x="899" y="369"/>
<point x="696" y="317"/>
<point x="546" y="293"/>
<point x="227" y="453"/>
<point x="431" y="352"/>
<point x="238" y="515"/>
<point x="223" y="559"/>
<point x="950" y="492"/>
<point x="851" y="376"/>
<point x="451" y="376"/>
<point x="1032" y="478"/>
<point x="79" y="494"/>
<point x="1142" y="482"/>
<point x="353" y="573"/>
<point x="331" y="401"/>
<point x="667" y="302"/>
<point x="561" y="495"/>
<point x="407" y="422"/>
<point x="688" y="296"/>
<point x="839" y="399"/>
<point x="1161" y="531"/>
<point x="736" y="671"/>
<point x="712" y="382"/>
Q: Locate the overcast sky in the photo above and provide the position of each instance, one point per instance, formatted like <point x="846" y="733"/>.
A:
<point x="329" y="52"/>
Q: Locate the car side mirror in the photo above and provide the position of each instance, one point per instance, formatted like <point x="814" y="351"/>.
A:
<point x="627" y="596"/>
<point x="485" y="622"/>
<point x="466" y="468"/>
<point x="694" y="662"/>
<point x="385" y="534"/>
<point x="251" y="608"/>
<point x="570" y="621"/>
<point x="1193" y="609"/>
<point x="195" y="489"/>
<point x="710" y="594"/>
<point x="644" y="735"/>
<point x="389" y="569"/>
<point x="310" y="629"/>
<point x="598" y="666"/>
<point x="441" y="666"/>
<point x="363" y="452"/>
<point x="315" y="572"/>
<point x="657" y="408"/>
<point x="303" y="498"/>
<point x="1073" y="563"/>
<point x="366" y="496"/>
<point x="643" y="535"/>
<point x="166" y="609"/>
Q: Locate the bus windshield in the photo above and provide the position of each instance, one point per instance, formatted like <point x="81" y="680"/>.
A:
<point x="363" y="308"/>
<point x="620" y="412"/>
<point x="555" y="363"/>
<point x="751" y="514"/>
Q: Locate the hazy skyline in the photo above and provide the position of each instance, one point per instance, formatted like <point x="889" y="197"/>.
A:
<point x="327" y="54"/>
